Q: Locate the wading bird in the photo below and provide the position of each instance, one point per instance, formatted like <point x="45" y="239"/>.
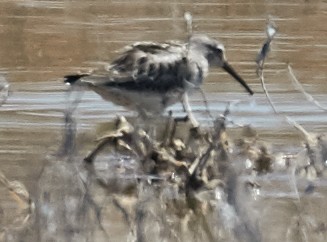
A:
<point x="149" y="77"/>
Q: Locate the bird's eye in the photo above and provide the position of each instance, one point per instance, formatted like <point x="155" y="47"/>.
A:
<point x="218" y="51"/>
<point x="215" y="50"/>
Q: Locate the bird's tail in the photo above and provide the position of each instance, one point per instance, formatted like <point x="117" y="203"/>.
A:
<point x="71" y="79"/>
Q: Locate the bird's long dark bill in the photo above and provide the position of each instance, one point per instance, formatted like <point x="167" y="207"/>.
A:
<point x="234" y="74"/>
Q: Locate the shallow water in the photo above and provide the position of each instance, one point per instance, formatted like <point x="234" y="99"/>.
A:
<point x="44" y="40"/>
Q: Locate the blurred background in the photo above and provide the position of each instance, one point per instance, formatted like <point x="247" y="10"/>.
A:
<point x="41" y="41"/>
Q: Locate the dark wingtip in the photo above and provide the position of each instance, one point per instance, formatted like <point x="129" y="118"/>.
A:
<point x="71" y="79"/>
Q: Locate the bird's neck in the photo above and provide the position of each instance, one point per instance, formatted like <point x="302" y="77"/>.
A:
<point x="199" y="65"/>
<point x="198" y="57"/>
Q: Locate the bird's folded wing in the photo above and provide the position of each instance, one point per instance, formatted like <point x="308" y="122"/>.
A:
<point x="145" y="65"/>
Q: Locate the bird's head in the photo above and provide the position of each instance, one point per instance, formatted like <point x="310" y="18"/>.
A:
<point x="214" y="52"/>
<point x="211" y="49"/>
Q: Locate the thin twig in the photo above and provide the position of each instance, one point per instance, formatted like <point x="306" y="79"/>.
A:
<point x="271" y="31"/>
<point x="306" y="134"/>
<point x="263" y="84"/>
<point x="206" y="103"/>
<point x="189" y="23"/>
<point x="308" y="96"/>
<point x="260" y="71"/>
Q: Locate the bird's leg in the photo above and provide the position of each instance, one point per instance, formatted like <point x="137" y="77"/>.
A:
<point x="142" y="115"/>
<point x="146" y="122"/>
<point x="188" y="110"/>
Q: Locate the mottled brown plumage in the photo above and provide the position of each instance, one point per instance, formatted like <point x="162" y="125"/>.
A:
<point x="149" y="77"/>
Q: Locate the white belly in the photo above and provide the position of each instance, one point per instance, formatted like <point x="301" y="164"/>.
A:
<point x="151" y="102"/>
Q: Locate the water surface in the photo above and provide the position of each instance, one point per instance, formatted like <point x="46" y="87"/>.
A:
<point x="43" y="40"/>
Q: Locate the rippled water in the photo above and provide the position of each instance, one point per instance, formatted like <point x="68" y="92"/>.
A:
<point x="44" y="40"/>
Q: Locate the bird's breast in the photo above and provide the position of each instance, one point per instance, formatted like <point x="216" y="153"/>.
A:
<point x="194" y="75"/>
